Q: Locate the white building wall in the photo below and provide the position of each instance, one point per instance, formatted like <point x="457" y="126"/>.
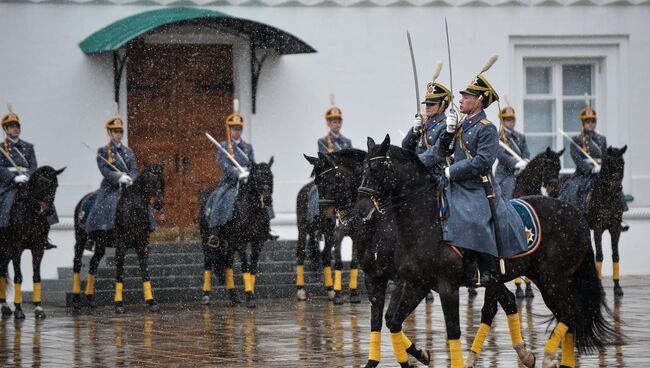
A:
<point x="64" y="96"/>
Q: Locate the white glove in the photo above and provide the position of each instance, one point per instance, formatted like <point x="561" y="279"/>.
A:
<point x="21" y="179"/>
<point x="125" y="180"/>
<point x="447" y="175"/>
<point x="595" y="169"/>
<point x="244" y="174"/>
<point x="452" y="122"/>
<point x="520" y="165"/>
<point x="417" y="124"/>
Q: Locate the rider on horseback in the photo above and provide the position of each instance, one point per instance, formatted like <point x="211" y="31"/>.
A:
<point x="17" y="164"/>
<point x="222" y="201"/>
<point x="509" y="166"/>
<point x="485" y="230"/>
<point x="578" y="187"/>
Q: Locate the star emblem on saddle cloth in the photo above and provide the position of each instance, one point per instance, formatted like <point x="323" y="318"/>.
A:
<point x="529" y="235"/>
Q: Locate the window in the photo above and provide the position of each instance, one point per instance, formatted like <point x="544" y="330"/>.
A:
<point x="553" y="97"/>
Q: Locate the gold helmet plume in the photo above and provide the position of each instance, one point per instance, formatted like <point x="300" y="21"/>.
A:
<point x="436" y="92"/>
<point x="333" y="112"/>
<point x="235" y="119"/>
<point x="480" y="87"/>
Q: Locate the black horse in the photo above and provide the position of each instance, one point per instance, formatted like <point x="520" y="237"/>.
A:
<point x="249" y="225"/>
<point x="605" y="208"/>
<point x="131" y="230"/>
<point x="327" y="225"/>
<point x="541" y="173"/>
<point x="562" y="266"/>
<point x="28" y="229"/>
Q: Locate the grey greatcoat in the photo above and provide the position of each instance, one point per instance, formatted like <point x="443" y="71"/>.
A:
<point x="22" y="153"/>
<point x="339" y="142"/>
<point x="575" y="191"/>
<point x="505" y="174"/>
<point x="222" y="201"/>
<point x="102" y="214"/>
<point x="426" y="148"/>
<point x="469" y="223"/>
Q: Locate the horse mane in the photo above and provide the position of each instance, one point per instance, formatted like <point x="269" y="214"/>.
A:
<point x="407" y="155"/>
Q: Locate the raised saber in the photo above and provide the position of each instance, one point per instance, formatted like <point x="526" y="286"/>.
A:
<point x="418" y="106"/>
<point x="579" y="148"/>
<point x="232" y="159"/>
<point x="103" y="159"/>
<point x="510" y="151"/>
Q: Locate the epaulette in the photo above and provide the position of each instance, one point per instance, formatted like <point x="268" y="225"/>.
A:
<point x="485" y="122"/>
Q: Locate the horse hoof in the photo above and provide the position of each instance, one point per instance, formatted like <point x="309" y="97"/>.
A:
<point x="549" y="360"/>
<point x="338" y="299"/>
<point x="301" y="295"/>
<point x="119" y="308"/>
<point x="618" y="291"/>
<point x="471" y="291"/>
<point x="18" y="314"/>
<point x="372" y="364"/>
<point x="90" y="299"/>
<point x="519" y="294"/>
<point x="39" y="313"/>
<point x="250" y="300"/>
<point x="153" y="307"/>
<point x="529" y="292"/>
<point x="425" y="357"/>
<point x="206" y="299"/>
<point x="331" y="294"/>
<point x="429" y="298"/>
<point x="234" y="299"/>
<point x="355" y="297"/>
<point x="471" y="360"/>
<point x="526" y="357"/>
<point x="6" y="311"/>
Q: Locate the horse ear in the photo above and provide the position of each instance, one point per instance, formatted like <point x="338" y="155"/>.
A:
<point x="311" y="160"/>
<point x="623" y="149"/>
<point x="548" y="150"/>
<point x="371" y="143"/>
<point x="560" y="152"/>
<point x="386" y="141"/>
<point x="270" y="162"/>
<point x="330" y="160"/>
<point x="58" y="172"/>
<point x="384" y="145"/>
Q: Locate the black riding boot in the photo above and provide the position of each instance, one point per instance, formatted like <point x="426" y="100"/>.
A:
<point x="487" y="264"/>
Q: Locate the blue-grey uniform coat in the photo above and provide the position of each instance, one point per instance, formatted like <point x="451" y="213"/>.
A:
<point x="338" y="143"/>
<point x="23" y="154"/>
<point x="102" y="214"/>
<point x="505" y="174"/>
<point x="222" y="200"/>
<point x="469" y="223"/>
<point x="575" y="191"/>
<point x="426" y="148"/>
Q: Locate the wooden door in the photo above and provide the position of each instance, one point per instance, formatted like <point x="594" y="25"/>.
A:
<point x="176" y="93"/>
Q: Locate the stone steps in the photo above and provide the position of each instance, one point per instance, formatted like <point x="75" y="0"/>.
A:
<point x="176" y="272"/>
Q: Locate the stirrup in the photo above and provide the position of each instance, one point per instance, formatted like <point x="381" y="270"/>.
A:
<point x="90" y="244"/>
<point x="213" y="241"/>
<point x="624" y="226"/>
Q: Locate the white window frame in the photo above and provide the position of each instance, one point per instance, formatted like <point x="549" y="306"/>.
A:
<point x="557" y="94"/>
<point x="611" y="79"/>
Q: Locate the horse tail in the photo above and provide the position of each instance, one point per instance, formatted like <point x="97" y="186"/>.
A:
<point x="592" y="330"/>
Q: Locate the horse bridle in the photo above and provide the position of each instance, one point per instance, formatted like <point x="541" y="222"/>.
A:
<point x="326" y="201"/>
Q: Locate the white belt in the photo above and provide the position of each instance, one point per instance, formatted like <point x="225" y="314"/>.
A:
<point x="21" y="169"/>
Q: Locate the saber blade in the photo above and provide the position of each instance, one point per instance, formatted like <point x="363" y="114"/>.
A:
<point x="415" y="75"/>
<point x="232" y="159"/>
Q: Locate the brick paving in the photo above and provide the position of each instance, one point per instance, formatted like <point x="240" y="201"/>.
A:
<point x="285" y="333"/>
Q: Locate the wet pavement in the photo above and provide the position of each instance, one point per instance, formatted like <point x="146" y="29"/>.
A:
<point x="285" y="333"/>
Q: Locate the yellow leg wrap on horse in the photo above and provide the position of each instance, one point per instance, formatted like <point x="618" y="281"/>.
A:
<point x="514" y="325"/>
<point x="398" y="347"/>
<point x="230" y="278"/>
<point x="247" y="282"/>
<point x="3" y="288"/>
<point x="253" y="278"/>
<point x="76" y="283"/>
<point x="456" y="354"/>
<point x="148" y="294"/>
<point x="206" y="280"/>
<point x="479" y="339"/>
<point x="568" y="355"/>
<point x="300" y="275"/>
<point x="556" y="338"/>
<point x="615" y="276"/>
<point x="90" y="284"/>
<point x="118" y="291"/>
<point x="37" y="292"/>
<point x="406" y="341"/>
<point x="18" y="296"/>
<point x="518" y="281"/>
<point x="354" y="277"/>
<point x="327" y="271"/>
<point x="599" y="267"/>
<point x="375" y="346"/>
<point x="338" y="275"/>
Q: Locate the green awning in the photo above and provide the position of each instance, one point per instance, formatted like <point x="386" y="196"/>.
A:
<point x="121" y="32"/>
